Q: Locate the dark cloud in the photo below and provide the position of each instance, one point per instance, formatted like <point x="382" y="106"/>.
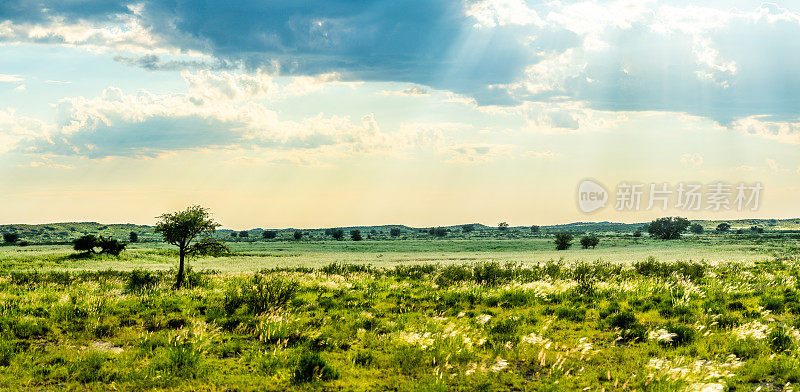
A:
<point x="434" y="43"/>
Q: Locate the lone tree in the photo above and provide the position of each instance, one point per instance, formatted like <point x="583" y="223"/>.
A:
<point x="337" y="234"/>
<point x="182" y="229"/>
<point x="696" y="228"/>
<point x="589" y="240"/>
<point x="563" y="240"/>
<point x="355" y="235"/>
<point x="10" y="237"/>
<point x="503" y="226"/>
<point x="535" y="229"/>
<point x="723" y="227"/>
<point x="133" y="237"/>
<point x="668" y="228"/>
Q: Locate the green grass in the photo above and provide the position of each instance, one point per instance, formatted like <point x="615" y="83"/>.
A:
<point x="257" y="255"/>
<point x="408" y="315"/>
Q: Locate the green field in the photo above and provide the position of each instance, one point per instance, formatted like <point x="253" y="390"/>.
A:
<point x="710" y="312"/>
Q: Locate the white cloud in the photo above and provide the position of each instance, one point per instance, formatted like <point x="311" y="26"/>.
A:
<point x="782" y="131"/>
<point x="11" y="78"/>
<point x="491" y="13"/>
<point x="21" y="87"/>
<point x="478" y="152"/>
<point x="14" y="128"/>
<point x="692" y="159"/>
<point x="415" y="91"/>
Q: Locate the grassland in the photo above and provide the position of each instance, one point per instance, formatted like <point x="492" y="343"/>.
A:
<point x="709" y="312"/>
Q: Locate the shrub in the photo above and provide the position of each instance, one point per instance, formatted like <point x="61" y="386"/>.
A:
<point x="637" y="233"/>
<point x="140" y="280"/>
<point x="133" y="236"/>
<point x="438" y="231"/>
<point x="260" y="294"/>
<point x="502" y="226"/>
<point x="311" y="367"/>
<point x="588" y="241"/>
<point x="563" y="240"/>
<point x="269" y="234"/>
<point x="696" y="228"/>
<point x="668" y="228"/>
<point x="394" y="232"/>
<point x="10" y="237"/>
<point x="85" y="243"/>
<point x="355" y="235"/>
<point x="723" y="227"/>
<point x="337" y="234"/>
<point x="110" y="246"/>
<point x="780" y="339"/>
<point x="468" y="228"/>
<point x="298" y="235"/>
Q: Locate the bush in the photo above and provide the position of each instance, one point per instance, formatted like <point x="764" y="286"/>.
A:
<point x="85" y="243"/>
<point x="10" y="237"/>
<point x="588" y="241"/>
<point x="696" y="228"/>
<point x="110" y="246"/>
<point x="355" y="235"/>
<point x="468" y="228"/>
<point x="438" y="231"/>
<point x="133" y="237"/>
<point x="311" y="367"/>
<point x="244" y="234"/>
<point x="780" y="339"/>
<point x="260" y="294"/>
<point x="723" y="227"/>
<point x="269" y="234"/>
<point x="298" y="235"/>
<point x="563" y="241"/>
<point x="140" y="280"/>
<point x="668" y="228"/>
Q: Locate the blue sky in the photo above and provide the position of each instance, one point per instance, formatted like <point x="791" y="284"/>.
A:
<point x="418" y="112"/>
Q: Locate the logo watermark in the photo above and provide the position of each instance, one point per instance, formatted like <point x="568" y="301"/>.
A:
<point x="685" y="196"/>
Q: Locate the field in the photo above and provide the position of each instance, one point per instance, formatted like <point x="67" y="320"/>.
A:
<point x="707" y="312"/>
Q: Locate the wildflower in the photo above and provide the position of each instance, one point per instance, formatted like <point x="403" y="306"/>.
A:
<point x="661" y="335"/>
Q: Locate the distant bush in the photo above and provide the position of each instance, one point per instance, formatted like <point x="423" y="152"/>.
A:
<point x="337" y="234"/>
<point x="88" y="244"/>
<point x="244" y="234"/>
<point x="637" y="233"/>
<point x="468" y="228"/>
<point x="757" y="229"/>
<point x="723" y="227"/>
<point x="355" y="235"/>
<point x="668" y="228"/>
<point x="563" y="240"/>
<point x="589" y="241"/>
<point x="269" y="234"/>
<point x="133" y="237"/>
<point x="85" y="243"/>
<point x="535" y="229"/>
<point x="394" y="232"/>
<point x="209" y="247"/>
<point x="502" y="226"/>
<point x="438" y="231"/>
<point x="298" y="235"/>
<point x="696" y="228"/>
<point x="234" y="234"/>
<point x="10" y="237"/>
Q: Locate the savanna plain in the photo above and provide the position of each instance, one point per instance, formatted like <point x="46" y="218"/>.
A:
<point x="486" y="310"/>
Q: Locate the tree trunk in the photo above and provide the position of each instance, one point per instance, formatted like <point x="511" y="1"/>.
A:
<point x="179" y="283"/>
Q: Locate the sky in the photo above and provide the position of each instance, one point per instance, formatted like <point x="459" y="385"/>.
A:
<point x="336" y="113"/>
